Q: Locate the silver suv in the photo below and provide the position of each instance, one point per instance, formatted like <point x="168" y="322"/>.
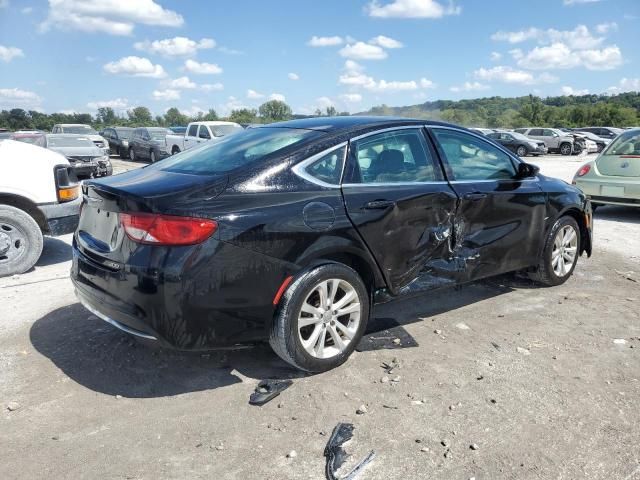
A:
<point x="556" y="140"/>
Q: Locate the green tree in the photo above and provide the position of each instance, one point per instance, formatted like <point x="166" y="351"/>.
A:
<point x="210" y="116"/>
<point x="140" y="116"/>
<point x="106" y="115"/>
<point x="173" y="117"/>
<point x="243" y="115"/>
<point x="331" y="111"/>
<point x="275" y="111"/>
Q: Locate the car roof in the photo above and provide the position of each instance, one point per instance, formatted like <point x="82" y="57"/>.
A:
<point x="337" y="124"/>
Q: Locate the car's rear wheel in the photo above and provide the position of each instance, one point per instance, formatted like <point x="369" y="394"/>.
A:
<point x="152" y="156"/>
<point x="175" y="150"/>
<point x="321" y="318"/>
<point x="560" y="254"/>
<point x="521" y="151"/>
<point x="565" y="149"/>
<point x="21" y="241"/>
<point x="132" y="155"/>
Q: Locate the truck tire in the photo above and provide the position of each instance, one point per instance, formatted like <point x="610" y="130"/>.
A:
<point x="175" y="150"/>
<point x="21" y="241"/>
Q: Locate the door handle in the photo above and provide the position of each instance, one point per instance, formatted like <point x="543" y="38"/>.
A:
<point x="379" y="204"/>
<point x="474" y="196"/>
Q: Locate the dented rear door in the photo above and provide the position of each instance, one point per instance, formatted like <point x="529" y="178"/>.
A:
<point x="397" y="198"/>
<point x="500" y="220"/>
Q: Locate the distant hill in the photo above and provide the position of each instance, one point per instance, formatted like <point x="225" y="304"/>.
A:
<point x="620" y="110"/>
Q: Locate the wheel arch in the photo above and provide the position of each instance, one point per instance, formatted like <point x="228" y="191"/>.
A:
<point x="27" y="206"/>
<point x="581" y="219"/>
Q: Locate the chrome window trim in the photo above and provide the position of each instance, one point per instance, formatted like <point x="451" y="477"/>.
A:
<point x="417" y="126"/>
<point x="300" y="168"/>
<point x="392" y="184"/>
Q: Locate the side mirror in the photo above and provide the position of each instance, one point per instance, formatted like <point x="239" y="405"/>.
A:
<point x="526" y="170"/>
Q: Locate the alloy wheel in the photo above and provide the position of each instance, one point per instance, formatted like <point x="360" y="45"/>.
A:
<point x="521" y="151"/>
<point x="565" y="149"/>
<point x="329" y="318"/>
<point x="565" y="250"/>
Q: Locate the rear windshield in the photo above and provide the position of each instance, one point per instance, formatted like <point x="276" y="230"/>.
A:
<point x="81" y="129"/>
<point x="69" y="142"/>
<point x="124" y="132"/>
<point x="627" y="143"/>
<point x="222" y="130"/>
<point x="235" y="151"/>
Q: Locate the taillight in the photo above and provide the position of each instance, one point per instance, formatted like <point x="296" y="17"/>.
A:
<point x="584" y="170"/>
<point x="152" y="229"/>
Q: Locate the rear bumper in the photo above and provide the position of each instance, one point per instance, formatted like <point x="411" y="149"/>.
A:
<point x="61" y="218"/>
<point x="595" y="187"/>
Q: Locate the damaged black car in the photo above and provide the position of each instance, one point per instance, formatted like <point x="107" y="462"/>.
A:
<point x="290" y="232"/>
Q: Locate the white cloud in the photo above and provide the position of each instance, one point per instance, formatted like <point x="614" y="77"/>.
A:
<point x="578" y="38"/>
<point x="510" y="75"/>
<point x="496" y="56"/>
<point x="230" y="51"/>
<point x="578" y="2"/>
<point x="115" y="17"/>
<point x="15" y="97"/>
<point x="566" y="90"/>
<point x="516" y="37"/>
<point x="181" y="83"/>
<point x="202" y="68"/>
<point x="175" y="47"/>
<point x="211" y="87"/>
<point x="605" y="28"/>
<point x="469" y="87"/>
<point x="325" y="41"/>
<point x="116" y="104"/>
<point x="293" y="76"/>
<point x="324" y="102"/>
<point x="166" y="95"/>
<point x="27" y="10"/>
<point x="135" y="67"/>
<point x="277" y="96"/>
<point x="385" y="42"/>
<point x="351" y="97"/>
<point x="363" y="51"/>
<point x="392" y="86"/>
<point x="355" y="77"/>
<point x="412" y="9"/>
<point x="9" y="53"/>
<point x="626" y="85"/>
<point x="560" y="56"/>
<point x="426" y="83"/>
<point x="252" y="94"/>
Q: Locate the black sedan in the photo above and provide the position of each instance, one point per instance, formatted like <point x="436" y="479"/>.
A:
<point x="518" y="143"/>
<point x="290" y="232"/>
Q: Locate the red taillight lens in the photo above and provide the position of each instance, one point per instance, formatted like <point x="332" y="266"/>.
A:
<point x="584" y="170"/>
<point x="152" y="229"/>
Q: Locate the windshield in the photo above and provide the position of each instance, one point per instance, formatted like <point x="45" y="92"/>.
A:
<point x="222" y="130"/>
<point x="158" y="133"/>
<point x="235" y="150"/>
<point x="627" y="143"/>
<point x="124" y="132"/>
<point x="81" y="129"/>
<point x="59" y="142"/>
<point x="519" y="136"/>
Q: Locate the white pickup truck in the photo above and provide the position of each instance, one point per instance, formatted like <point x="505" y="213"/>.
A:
<point x="44" y="202"/>
<point x="199" y="132"/>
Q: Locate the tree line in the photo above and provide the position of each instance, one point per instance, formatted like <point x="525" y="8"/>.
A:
<point x="622" y="110"/>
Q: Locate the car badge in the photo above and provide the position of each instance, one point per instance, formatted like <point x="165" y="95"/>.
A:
<point x="624" y="164"/>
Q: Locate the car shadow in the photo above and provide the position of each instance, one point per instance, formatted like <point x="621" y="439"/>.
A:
<point x="104" y="359"/>
<point x="54" y="251"/>
<point x="615" y="213"/>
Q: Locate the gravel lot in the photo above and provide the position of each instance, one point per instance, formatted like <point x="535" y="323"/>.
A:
<point x="543" y="382"/>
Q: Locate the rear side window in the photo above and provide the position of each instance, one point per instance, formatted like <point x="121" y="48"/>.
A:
<point x="399" y="156"/>
<point x="235" y="151"/>
<point x="536" y="132"/>
<point x="204" y="132"/>
<point x="470" y="158"/>
<point x="193" y="131"/>
<point x="328" y="168"/>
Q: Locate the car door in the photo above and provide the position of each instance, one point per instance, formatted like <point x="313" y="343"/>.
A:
<point x="500" y="217"/>
<point x="551" y="138"/>
<point x="396" y="197"/>
<point x="191" y="136"/>
<point x="203" y="134"/>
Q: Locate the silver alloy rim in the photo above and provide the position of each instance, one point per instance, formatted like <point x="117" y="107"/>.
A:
<point x="521" y="152"/>
<point x="566" y="149"/>
<point x="565" y="249"/>
<point x="329" y="318"/>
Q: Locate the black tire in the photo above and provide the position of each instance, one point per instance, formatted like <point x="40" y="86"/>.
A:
<point x="544" y="272"/>
<point x="132" y="155"/>
<point x="152" y="156"/>
<point x="566" y="148"/>
<point x="122" y="153"/>
<point x="175" y="150"/>
<point x="21" y="241"/>
<point x="284" y="337"/>
<point x="522" y="151"/>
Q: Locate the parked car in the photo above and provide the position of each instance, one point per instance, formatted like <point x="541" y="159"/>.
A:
<point x="556" y="140"/>
<point x="483" y="131"/>
<point x="33" y="138"/>
<point x="290" y="231"/>
<point x="199" y="132"/>
<point x="118" y="140"/>
<point x="44" y="202"/>
<point x="5" y="134"/>
<point x="518" y="143"/>
<point x="600" y="142"/>
<point x="604" y="132"/>
<point x="614" y="177"/>
<point x="81" y="129"/>
<point x="148" y="143"/>
<point x="582" y="144"/>
<point x="87" y="160"/>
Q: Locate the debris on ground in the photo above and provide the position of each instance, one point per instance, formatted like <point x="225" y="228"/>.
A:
<point x="462" y="326"/>
<point x="495" y="345"/>
<point x="362" y="409"/>
<point x="267" y="390"/>
<point x="474" y="446"/>
<point x="389" y="367"/>
<point x="336" y="456"/>
<point x="619" y="341"/>
<point x="292" y="454"/>
<point x="523" y="351"/>
<point x="13" y="406"/>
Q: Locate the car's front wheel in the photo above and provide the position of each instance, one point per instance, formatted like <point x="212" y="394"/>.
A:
<point x="521" y="151"/>
<point x="321" y="318"/>
<point x="132" y="155"/>
<point x="152" y="156"/>
<point x="566" y="149"/>
<point x="560" y="254"/>
<point x="21" y="241"/>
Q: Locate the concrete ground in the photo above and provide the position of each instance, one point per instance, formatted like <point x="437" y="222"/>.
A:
<point x="543" y="383"/>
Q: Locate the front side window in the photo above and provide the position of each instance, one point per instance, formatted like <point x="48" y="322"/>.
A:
<point x="549" y="133"/>
<point x="536" y="132"/>
<point x="328" y="168"/>
<point x="470" y="158"/>
<point x="399" y="156"/>
<point x="193" y="131"/>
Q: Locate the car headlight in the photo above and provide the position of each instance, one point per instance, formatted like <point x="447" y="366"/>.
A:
<point x="125" y="143"/>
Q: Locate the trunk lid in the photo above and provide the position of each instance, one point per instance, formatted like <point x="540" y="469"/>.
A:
<point x="619" y="165"/>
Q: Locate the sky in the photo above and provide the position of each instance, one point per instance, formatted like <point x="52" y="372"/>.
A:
<point x="79" y="55"/>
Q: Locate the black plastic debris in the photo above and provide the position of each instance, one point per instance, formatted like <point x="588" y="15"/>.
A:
<point x="267" y="390"/>
<point x="336" y="456"/>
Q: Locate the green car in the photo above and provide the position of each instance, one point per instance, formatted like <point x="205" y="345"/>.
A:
<point x="613" y="178"/>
